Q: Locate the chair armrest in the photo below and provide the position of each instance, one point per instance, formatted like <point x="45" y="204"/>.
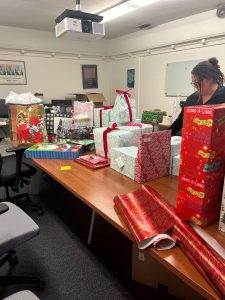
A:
<point x="3" y="208"/>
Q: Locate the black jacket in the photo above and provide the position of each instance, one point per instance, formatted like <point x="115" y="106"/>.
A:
<point x="192" y="100"/>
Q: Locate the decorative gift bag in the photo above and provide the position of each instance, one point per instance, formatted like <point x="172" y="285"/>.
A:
<point x="27" y="125"/>
<point x="83" y="114"/>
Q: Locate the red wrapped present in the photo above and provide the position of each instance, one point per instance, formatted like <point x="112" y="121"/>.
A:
<point x="153" y="158"/>
<point x="27" y="124"/>
<point x="202" y="164"/>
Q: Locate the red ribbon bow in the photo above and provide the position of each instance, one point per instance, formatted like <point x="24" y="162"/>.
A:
<point x="105" y="133"/>
<point x="126" y="95"/>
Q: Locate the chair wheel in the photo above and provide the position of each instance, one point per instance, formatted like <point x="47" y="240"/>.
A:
<point x="40" y="286"/>
<point x="13" y="260"/>
<point x="40" y="212"/>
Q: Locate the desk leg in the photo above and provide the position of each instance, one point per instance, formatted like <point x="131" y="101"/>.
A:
<point x="91" y="227"/>
<point x="35" y="182"/>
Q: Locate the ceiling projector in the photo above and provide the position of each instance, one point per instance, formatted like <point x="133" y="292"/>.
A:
<point x="78" y="25"/>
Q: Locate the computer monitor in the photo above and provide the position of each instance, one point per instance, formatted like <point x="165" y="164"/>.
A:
<point x="62" y="102"/>
<point x="3" y="109"/>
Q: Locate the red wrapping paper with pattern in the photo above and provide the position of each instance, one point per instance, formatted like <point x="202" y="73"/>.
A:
<point x="202" y="165"/>
<point x="153" y="158"/>
<point x="146" y="214"/>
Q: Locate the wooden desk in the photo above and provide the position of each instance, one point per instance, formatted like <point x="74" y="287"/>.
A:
<point x="97" y="188"/>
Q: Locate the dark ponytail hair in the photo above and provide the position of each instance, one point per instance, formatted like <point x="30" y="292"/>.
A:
<point x="208" y="69"/>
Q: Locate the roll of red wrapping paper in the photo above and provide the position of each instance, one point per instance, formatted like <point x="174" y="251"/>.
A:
<point x="147" y="214"/>
<point x="204" y="258"/>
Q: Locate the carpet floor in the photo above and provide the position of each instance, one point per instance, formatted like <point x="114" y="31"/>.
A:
<point x="61" y="256"/>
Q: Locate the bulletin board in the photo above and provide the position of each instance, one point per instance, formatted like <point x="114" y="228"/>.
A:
<point x="178" y="78"/>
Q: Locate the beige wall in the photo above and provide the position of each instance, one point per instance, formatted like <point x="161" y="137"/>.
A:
<point x="61" y="74"/>
<point x="57" y="75"/>
<point x="151" y="69"/>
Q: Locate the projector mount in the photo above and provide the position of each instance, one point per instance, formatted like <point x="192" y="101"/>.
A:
<point x="78" y="14"/>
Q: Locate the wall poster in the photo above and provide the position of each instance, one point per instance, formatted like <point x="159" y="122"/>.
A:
<point x="12" y="72"/>
<point x="130" y="78"/>
<point x="89" y="76"/>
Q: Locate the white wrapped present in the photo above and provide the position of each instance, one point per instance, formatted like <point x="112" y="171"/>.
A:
<point x="175" y="149"/>
<point x="137" y="129"/>
<point x="175" y="165"/>
<point x="101" y="117"/>
<point x="124" y="109"/>
<point x="117" y="123"/>
<point x="114" y="139"/>
<point x="222" y="212"/>
<point x="123" y="160"/>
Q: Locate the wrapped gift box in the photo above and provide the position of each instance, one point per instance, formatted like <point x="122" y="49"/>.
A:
<point x="175" y="149"/>
<point x="27" y="123"/>
<point x="54" y="151"/>
<point x="153" y="116"/>
<point x="115" y="139"/>
<point x="120" y="111"/>
<point x="137" y="129"/>
<point x="148" y="161"/>
<point x="175" y="165"/>
<point x="222" y="211"/>
<point x="117" y="123"/>
<point x="83" y="114"/>
<point x="101" y="117"/>
<point x="123" y="160"/>
<point x="153" y="158"/>
<point x="202" y="165"/>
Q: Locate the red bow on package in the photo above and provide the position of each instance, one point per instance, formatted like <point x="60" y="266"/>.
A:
<point x="126" y="95"/>
<point x="104" y="108"/>
<point x="105" y="133"/>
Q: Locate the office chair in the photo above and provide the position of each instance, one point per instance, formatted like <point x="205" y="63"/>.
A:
<point x="22" y="295"/>
<point x="16" y="227"/>
<point x="14" y="173"/>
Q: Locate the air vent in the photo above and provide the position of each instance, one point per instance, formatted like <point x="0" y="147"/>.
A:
<point x="221" y="11"/>
<point x="144" y="26"/>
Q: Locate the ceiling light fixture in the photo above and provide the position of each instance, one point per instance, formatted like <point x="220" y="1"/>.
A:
<point x="123" y="9"/>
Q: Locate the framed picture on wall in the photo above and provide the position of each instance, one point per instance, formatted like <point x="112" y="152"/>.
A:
<point x="130" y="78"/>
<point x="89" y="76"/>
<point x="12" y="72"/>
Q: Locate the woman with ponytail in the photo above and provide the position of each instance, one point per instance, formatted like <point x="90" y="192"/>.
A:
<point x="208" y="81"/>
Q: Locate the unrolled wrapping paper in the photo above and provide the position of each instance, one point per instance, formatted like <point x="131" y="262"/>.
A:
<point x="147" y="214"/>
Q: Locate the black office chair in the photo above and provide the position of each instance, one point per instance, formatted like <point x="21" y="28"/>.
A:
<point x="14" y="173"/>
<point x="16" y="227"/>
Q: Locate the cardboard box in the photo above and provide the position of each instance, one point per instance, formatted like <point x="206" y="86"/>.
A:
<point x="148" y="271"/>
<point x="96" y="98"/>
